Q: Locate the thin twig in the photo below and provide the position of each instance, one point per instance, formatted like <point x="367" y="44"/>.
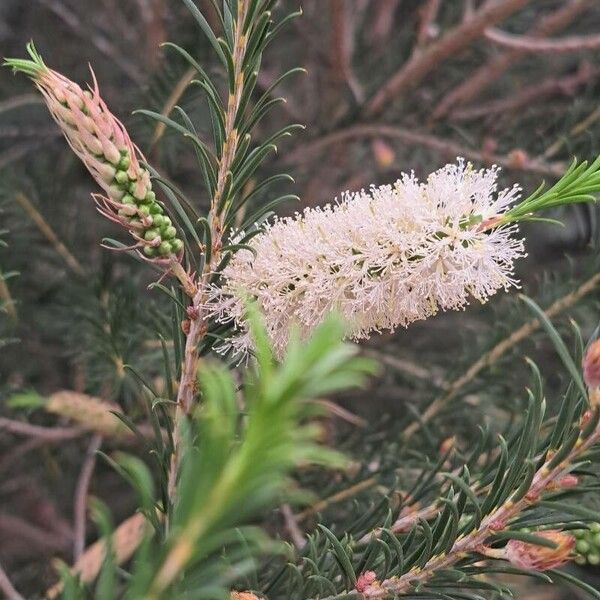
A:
<point x="422" y="63"/>
<point x="51" y="434"/>
<point x="516" y="161"/>
<point x="49" y="233"/>
<point x="496" y="66"/>
<point x="427" y="16"/>
<point x="6" y="586"/>
<point x="81" y="494"/>
<point x="528" y="95"/>
<point x="573" y="43"/>
<point x="291" y="524"/>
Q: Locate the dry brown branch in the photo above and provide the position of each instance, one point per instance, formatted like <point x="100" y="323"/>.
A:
<point x="422" y="63"/>
<point x="51" y="434"/>
<point x="81" y="495"/>
<point x="528" y="95"/>
<point x="43" y="540"/>
<point x="531" y="44"/>
<point x="124" y="542"/>
<point x="427" y="16"/>
<point x="496" y="66"/>
<point x="341" y="49"/>
<point x="516" y="160"/>
<point x="10" y="593"/>
<point x="291" y="524"/>
<point x="49" y="233"/>
<point x="382" y="21"/>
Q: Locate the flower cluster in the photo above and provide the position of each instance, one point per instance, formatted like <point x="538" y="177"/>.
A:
<point x="104" y="146"/>
<point x="587" y="547"/>
<point x="381" y="258"/>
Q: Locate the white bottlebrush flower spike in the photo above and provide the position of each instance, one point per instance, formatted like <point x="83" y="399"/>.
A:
<point x="381" y="259"/>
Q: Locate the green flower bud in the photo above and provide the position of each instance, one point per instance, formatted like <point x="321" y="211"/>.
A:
<point x="582" y="546"/>
<point x="128" y="199"/>
<point x="595" y="527"/>
<point x="150" y="196"/>
<point x="151" y="234"/>
<point x="166" y="221"/>
<point x="122" y="178"/>
<point x="149" y="251"/>
<point x="144" y="209"/>
<point x="124" y="163"/>
<point x="155" y="208"/>
<point x="159" y="220"/>
<point x="176" y="245"/>
<point x="165" y="248"/>
<point x="169" y="232"/>
<point x="580" y="560"/>
<point x="593" y="558"/>
<point x="596" y="540"/>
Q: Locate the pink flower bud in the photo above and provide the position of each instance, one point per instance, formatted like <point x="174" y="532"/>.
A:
<point x="591" y="365"/>
<point x="365" y="580"/>
<point x="540" y="558"/>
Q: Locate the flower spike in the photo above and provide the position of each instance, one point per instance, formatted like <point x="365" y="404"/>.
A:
<point x="102" y="143"/>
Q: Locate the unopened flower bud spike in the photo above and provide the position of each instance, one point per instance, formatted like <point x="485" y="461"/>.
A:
<point x="102" y="143"/>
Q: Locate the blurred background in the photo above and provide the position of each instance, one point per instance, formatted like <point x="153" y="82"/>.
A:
<point x="390" y="86"/>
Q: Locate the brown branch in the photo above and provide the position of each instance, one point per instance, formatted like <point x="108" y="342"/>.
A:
<point x="516" y="160"/>
<point x="531" y="44"/>
<point x="81" y="495"/>
<point x="427" y="15"/>
<point x="186" y="392"/>
<point x="51" y="434"/>
<point x="528" y="95"/>
<point x="422" y="63"/>
<point x="49" y="233"/>
<point x="10" y="593"/>
<point x="496" y="66"/>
